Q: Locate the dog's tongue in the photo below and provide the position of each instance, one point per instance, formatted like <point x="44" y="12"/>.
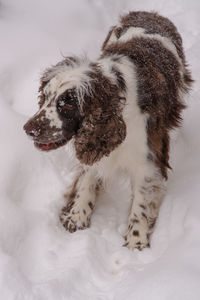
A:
<point x="45" y="146"/>
<point x="50" y="146"/>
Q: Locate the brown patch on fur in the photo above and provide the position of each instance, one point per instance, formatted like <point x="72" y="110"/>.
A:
<point x="155" y="188"/>
<point x="144" y="215"/>
<point x="98" y="186"/>
<point x="152" y="222"/>
<point x="72" y="194"/>
<point x="153" y="205"/>
<point x="135" y="221"/>
<point x="149" y="189"/>
<point x="119" y="77"/>
<point x="142" y="206"/>
<point x="41" y="93"/>
<point x="153" y="24"/>
<point x="159" y="83"/>
<point x="125" y="245"/>
<point x="103" y="128"/>
<point x="136" y="233"/>
<point x="138" y="243"/>
<point x="90" y="204"/>
<point x="118" y="32"/>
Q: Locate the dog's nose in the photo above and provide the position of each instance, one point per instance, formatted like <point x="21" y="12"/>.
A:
<point x="32" y="129"/>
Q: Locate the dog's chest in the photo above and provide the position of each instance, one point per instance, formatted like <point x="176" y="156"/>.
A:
<point x="131" y="155"/>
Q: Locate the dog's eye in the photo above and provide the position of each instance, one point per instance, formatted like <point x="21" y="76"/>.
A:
<point x="62" y="105"/>
<point x="67" y="107"/>
<point x="67" y="102"/>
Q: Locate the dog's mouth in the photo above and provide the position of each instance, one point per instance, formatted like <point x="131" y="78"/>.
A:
<point x="51" y="145"/>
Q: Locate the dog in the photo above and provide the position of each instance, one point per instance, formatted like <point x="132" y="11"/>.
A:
<point x="117" y="113"/>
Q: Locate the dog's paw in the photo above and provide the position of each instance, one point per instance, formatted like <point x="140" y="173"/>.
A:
<point x="137" y="237"/>
<point x="133" y="242"/>
<point x="74" y="219"/>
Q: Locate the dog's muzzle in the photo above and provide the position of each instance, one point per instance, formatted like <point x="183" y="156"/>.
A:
<point x="32" y="129"/>
<point x="45" y="137"/>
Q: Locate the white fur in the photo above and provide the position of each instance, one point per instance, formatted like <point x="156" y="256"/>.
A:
<point x="67" y="78"/>
<point x="79" y="215"/>
<point x="50" y="112"/>
<point x="106" y="64"/>
<point x="52" y="115"/>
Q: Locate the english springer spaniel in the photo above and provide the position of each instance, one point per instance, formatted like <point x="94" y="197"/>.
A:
<point x="117" y="113"/>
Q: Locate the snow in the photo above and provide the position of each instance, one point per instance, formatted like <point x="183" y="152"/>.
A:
<point x="38" y="258"/>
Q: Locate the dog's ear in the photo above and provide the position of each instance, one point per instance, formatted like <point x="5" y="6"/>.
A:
<point x="103" y="128"/>
<point x="99" y="135"/>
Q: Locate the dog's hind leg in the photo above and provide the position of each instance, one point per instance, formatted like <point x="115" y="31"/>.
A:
<point x="80" y="201"/>
<point x="147" y="195"/>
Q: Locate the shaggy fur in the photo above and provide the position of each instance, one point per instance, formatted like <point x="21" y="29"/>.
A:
<point x="117" y="112"/>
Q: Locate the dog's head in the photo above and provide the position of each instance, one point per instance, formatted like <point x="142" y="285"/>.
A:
<point x="77" y="101"/>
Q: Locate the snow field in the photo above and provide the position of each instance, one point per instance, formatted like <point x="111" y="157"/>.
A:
<point x="39" y="260"/>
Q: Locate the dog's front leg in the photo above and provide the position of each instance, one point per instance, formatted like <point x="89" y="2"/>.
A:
<point x="147" y="195"/>
<point x="80" y="201"/>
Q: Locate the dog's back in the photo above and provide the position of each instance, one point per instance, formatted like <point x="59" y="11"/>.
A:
<point x="154" y="46"/>
<point x="136" y="23"/>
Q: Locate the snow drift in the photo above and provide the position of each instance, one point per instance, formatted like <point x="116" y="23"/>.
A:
<point x="38" y="258"/>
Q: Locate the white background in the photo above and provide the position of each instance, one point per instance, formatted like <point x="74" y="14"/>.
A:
<point x="39" y="260"/>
